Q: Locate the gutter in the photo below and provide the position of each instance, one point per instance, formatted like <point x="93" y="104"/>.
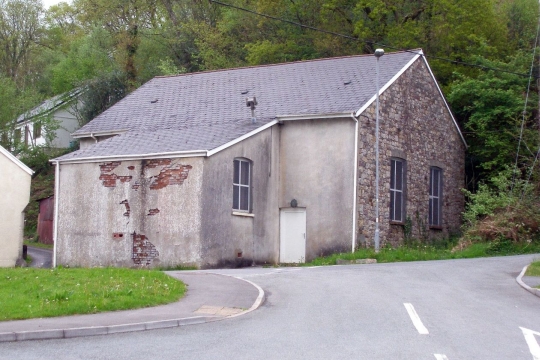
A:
<point x="56" y="202"/>
<point x="161" y="155"/>
<point x="355" y="182"/>
<point x="281" y="118"/>
<point x="76" y="135"/>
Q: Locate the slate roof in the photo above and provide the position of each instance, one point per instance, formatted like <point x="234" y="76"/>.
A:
<point x="201" y="111"/>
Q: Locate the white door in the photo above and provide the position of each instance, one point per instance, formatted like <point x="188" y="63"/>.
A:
<point x="292" y="233"/>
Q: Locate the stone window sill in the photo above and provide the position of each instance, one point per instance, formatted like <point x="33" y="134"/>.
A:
<point x="397" y="223"/>
<point x="435" y="227"/>
<point x="244" y="214"/>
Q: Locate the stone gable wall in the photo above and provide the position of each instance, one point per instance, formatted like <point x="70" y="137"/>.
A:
<point x="414" y="125"/>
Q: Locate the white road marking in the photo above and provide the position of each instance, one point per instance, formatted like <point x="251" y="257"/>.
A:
<point x="416" y="319"/>
<point x="531" y="341"/>
<point x="440" y="357"/>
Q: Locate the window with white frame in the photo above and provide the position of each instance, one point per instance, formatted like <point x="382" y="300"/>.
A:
<point x="435" y="196"/>
<point x="397" y="190"/>
<point x="242" y="185"/>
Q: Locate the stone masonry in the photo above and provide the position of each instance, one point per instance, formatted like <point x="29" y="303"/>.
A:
<point x="414" y="126"/>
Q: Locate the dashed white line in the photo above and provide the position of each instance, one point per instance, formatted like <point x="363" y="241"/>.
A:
<point x="531" y="341"/>
<point x="440" y="357"/>
<point x="416" y="319"/>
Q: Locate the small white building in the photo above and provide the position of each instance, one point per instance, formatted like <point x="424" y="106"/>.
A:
<point x="14" y="196"/>
<point x="30" y="128"/>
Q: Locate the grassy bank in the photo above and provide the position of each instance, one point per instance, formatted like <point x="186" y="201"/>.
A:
<point x="533" y="269"/>
<point x="426" y="252"/>
<point x="30" y="293"/>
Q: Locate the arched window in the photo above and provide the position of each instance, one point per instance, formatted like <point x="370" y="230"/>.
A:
<point x="242" y="185"/>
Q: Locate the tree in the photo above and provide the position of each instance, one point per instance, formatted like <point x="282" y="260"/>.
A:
<point x="20" y="31"/>
<point x="124" y="20"/>
<point x="490" y="108"/>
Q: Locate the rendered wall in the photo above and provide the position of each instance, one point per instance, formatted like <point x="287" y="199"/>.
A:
<point x="14" y="196"/>
<point x="414" y="125"/>
<point x="130" y="213"/>
<point x="316" y="169"/>
<point x="235" y="240"/>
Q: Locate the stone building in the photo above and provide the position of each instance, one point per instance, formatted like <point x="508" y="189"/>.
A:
<point x="262" y="164"/>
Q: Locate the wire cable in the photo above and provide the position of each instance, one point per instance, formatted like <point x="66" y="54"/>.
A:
<point x="455" y="62"/>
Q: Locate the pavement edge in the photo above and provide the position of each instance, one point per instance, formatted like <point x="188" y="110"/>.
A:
<point x="525" y="286"/>
<point x="131" y="327"/>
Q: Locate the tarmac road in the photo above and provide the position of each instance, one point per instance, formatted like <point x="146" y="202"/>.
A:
<point x="442" y="310"/>
<point x="41" y="258"/>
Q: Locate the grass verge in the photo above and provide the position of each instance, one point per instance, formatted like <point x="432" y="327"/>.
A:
<point x="533" y="269"/>
<point x="29" y="293"/>
<point x="38" y="244"/>
<point x="426" y="252"/>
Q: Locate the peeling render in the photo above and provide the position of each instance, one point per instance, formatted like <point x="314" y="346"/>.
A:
<point x="109" y="180"/>
<point x="153" y="212"/>
<point x="144" y="252"/>
<point x="128" y="210"/>
<point x="170" y="175"/>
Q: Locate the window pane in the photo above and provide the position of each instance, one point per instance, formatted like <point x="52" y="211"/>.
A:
<point x="236" y="199"/>
<point x="398" y="203"/>
<point x="244" y="198"/>
<point x="392" y="174"/>
<point x="236" y="176"/>
<point x="244" y="173"/>
<point x="392" y="205"/>
<point x="399" y="175"/>
<point x="431" y="211"/>
<point x="435" y="211"/>
<point x="434" y="186"/>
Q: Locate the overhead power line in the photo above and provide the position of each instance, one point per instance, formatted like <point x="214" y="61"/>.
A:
<point x="455" y="62"/>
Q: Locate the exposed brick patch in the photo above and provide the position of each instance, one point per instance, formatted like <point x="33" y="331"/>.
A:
<point x="131" y="167"/>
<point x="126" y="203"/>
<point x="108" y="167"/>
<point x="143" y="250"/>
<point x="124" y="179"/>
<point x="170" y="175"/>
<point x="157" y="162"/>
<point x="153" y="212"/>
<point x="118" y="236"/>
<point x="109" y="180"/>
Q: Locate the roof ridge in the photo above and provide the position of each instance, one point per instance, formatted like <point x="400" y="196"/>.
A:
<point x="280" y="64"/>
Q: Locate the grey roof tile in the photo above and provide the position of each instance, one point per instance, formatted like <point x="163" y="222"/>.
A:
<point x="201" y="111"/>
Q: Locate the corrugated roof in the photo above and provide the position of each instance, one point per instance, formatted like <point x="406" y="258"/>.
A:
<point x="49" y="105"/>
<point x="201" y="111"/>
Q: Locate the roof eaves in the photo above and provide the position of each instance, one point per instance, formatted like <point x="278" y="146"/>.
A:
<point x="390" y="82"/>
<point x="281" y="118"/>
<point x="446" y="103"/>
<point x="94" y="159"/>
<point x="16" y="161"/>
<point x="78" y="135"/>
<point x="241" y="138"/>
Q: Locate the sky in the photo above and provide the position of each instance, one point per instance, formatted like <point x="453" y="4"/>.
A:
<point x="47" y="3"/>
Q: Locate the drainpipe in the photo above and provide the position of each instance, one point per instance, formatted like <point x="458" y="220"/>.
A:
<point x="355" y="182"/>
<point x="56" y="200"/>
<point x="93" y="137"/>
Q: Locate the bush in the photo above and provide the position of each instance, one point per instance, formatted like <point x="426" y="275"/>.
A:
<point x="500" y="211"/>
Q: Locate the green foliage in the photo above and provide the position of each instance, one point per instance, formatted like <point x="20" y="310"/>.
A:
<point x="100" y="94"/>
<point x="489" y="107"/>
<point x="422" y="252"/>
<point x="87" y="59"/>
<point x="31" y="293"/>
<point x="499" y="193"/>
